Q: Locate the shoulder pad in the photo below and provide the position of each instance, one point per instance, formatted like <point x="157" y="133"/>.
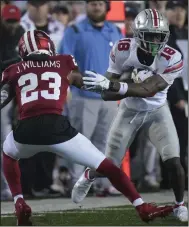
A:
<point x="174" y="59"/>
<point x="121" y="49"/>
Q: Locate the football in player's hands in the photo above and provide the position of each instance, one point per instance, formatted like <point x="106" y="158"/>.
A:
<point x="140" y="76"/>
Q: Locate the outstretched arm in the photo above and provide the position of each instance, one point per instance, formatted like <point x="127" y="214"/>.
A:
<point x="147" y="88"/>
<point x="112" y="90"/>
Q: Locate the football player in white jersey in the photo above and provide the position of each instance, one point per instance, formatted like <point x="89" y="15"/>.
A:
<point x="144" y="105"/>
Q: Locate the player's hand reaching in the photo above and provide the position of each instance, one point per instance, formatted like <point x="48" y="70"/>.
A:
<point x="95" y="82"/>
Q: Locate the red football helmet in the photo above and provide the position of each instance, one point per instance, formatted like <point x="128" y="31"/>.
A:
<point x="35" y="41"/>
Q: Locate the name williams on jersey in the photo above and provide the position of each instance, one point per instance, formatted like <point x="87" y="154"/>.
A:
<point x="38" y="64"/>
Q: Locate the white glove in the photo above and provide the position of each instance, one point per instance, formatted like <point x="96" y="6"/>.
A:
<point x="95" y="83"/>
<point x="139" y="77"/>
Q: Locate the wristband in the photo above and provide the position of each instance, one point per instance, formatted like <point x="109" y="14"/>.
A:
<point x="123" y="88"/>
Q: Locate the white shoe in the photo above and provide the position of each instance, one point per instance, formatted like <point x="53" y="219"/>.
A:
<point x="81" y="188"/>
<point x="181" y="213"/>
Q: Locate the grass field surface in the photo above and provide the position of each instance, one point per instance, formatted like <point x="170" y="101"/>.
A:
<point x="112" y="216"/>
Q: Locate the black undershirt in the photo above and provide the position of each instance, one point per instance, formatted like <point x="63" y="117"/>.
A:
<point x="144" y="58"/>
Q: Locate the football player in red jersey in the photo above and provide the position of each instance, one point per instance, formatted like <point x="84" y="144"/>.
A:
<point x="40" y="82"/>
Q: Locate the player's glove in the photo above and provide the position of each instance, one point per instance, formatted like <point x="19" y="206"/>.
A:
<point x="95" y="82"/>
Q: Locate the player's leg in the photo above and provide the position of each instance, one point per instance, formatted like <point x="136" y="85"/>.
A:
<point x="106" y="114"/>
<point x="83" y="116"/>
<point x="162" y="133"/>
<point x="12" y="152"/>
<point x="6" y="127"/>
<point x="121" y="134"/>
<point x="80" y="150"/>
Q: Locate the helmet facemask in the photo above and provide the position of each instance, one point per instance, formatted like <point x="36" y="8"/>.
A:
<point x="151" y="42"/>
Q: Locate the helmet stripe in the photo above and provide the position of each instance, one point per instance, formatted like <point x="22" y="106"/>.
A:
<point x="27" y="42"/>
<point x="33" y="40"/>
<point x="155" y="18"/>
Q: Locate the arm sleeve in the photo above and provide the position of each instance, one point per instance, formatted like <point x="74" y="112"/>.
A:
<point x="68" y="43"/>
<point x="174" y="69"/>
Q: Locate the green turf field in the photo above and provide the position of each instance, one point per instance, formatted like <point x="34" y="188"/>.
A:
<point x="119" y="216"/>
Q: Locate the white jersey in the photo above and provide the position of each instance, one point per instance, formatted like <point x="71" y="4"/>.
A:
<point x="168" y="64"/>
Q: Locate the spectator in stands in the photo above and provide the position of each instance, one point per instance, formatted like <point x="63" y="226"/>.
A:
<point x="90" y="42"/>
<point x="11" y="31"/>
<point x="131" y="13"/>
<point x="78" y="12"/>
<point x="159" y="5"/>
<point x="38" y="17"/>
<point x="62" y="14"/>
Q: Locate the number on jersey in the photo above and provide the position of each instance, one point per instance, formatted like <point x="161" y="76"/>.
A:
<point x="124" y="44"/>
<point x="28" y="93"/>
<point x="167" y="52"/>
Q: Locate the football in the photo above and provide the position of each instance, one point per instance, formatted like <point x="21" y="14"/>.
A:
<point x="140" y="76"/>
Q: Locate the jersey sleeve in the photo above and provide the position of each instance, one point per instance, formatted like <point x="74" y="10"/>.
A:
<point x="114" y="60"/>
<point x="72" y="63"/>
<point x="174" y="69"/>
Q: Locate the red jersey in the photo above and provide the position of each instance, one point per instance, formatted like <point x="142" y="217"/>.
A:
<point x="40" y="86"/>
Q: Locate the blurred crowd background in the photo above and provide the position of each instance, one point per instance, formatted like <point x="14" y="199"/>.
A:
<point x="69" y="23"/>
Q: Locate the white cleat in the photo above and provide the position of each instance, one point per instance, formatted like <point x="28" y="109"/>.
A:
<point x="81" y="188"/>
<point x="181" y="213"/>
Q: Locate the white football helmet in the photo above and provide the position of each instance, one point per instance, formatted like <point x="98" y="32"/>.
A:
<point x="151" y="30"/>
